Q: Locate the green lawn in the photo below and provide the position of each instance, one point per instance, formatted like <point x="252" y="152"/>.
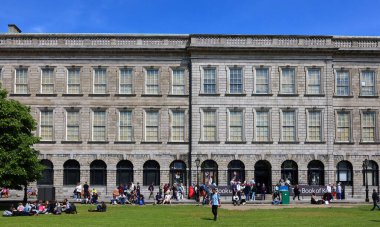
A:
<point x="191" y="215"/>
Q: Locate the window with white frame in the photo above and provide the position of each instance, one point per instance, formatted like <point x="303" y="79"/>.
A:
<point x="262" y="126"/>
<point x="152" y="82"/>
<point x="100" y="81"/>
<point x="73" y="81"/>
<point x="367" y="83"/>
<point x="289" y="130"/>
<point x="99" y="121"/>
<point x="262" y="81"/>
<point x="288" y="81"/>
<point x="209" y="125"/>
<point x="46" y="125"/>
<point x="369" y="126"/>
<point x="126" y="81"/>
<point x="72" y="125"/>
<point x="343" y="126"/>
<point x="21" y="81"/>
<point x="314" y="81"/>
<point x="47" y="81"/>
<point x="178" y="82"/>
<point x="236" y="81"/>
<point x="125" y="125"/>
<point x="209" y="80"/>
<point x="178" y="126"/>
<point x="236" y="125"/>
<point x="342" y="83"/>
<point x="151" y="125"/>
<point x="314" y="126"/>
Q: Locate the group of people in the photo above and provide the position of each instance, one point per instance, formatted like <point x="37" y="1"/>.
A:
<point x="4" y="192"/>
<point x="39" y="207"/>
<point x="128" y="194"/>
<point x="84" y="194"/>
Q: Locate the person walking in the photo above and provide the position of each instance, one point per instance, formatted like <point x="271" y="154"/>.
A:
<point x="215" y="203"/>
<point x="151" y="189"/>
<point x="263" y="191"/>
<point x="375" y="199"/>
<point x="297" y="192"/>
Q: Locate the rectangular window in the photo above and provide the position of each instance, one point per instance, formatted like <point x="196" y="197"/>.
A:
<point x="152" y="82"/>
<point x="209" y="81"/>
<point x="47" y="81"/>
<point x="288" y="81"/>
<point x="314" y="131"/>
<point x="100" y="81"/>
<point x="125" y="125"/>
<point x="125" y="81"/>
<point x="178" y="82"/>
<point x="368" y="126"/>
<point x="262" y="126"/>
<point x="72" y="125"/>
<point x="262" y="81"/>
<point x="314" y="81"/>
<point x="46" y="125"/>
<point x="342" y="83"/>
<point x="343" y="127"/>
<point x="73" y="81"/>
<point x="236" y="81"/>
<point x="151" y="125"/>
<point x="367" y="81"/>
<point x="209" y="125"/>
<point x="99" y="126"/>
<point x="289" y="126"/>
<point x="236" y="126"/>
<point x="21" y="81"/>
<point x="178" y="126"/>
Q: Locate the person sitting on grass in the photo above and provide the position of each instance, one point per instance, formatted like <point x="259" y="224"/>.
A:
<point x="276" y="199"/>
<point x="141" y="200"/>
<point x="58" y="209"/>
<point x="168" y="198"/>
<point x="94" y="199"/>
<point x="159" y="199"/>
<point x="11" y="212"/>
<point x="99" y="208"/>
<point x="42" y="209"/>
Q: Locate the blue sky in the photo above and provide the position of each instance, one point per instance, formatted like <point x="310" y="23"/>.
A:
<point x="319" y="17"/>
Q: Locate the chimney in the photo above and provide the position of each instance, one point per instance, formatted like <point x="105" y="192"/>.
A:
<point x="12" y="28"/>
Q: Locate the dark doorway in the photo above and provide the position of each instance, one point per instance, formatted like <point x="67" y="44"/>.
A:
<point x="124" y="172"/>
<point x="178" y="172"/>
<point x="263" y="174"/>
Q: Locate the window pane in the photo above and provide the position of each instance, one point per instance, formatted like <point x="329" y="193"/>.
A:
<point x="126" y="81"/>
<point x="209" y="81"/>
<point x="262" y="81"/>
<point x="209" y="125"/>
<point x="73" y="81"/>
<point x="288" y="81"/>
<point x="47" y="81"/>
<point x="125" y="126"/>
<point x="178" y="126"/>
<point x="100" y="81"/>
<point x="99" y="126"/>
<point x="262" y="126"/>
<point x="342" y="83"/>
<point x="236" y="125"/>
<point x="314" y="127"/>
<point x="368" y="83"/>
<point x="151" y="126"/>
<point x="343" y="127"/>
<point x="152" y="81"/>
<point x="314" y="81"/>
<point x="368" y="126"/>
<point x="72" y="126"/>
<point x="46" y="127"/>
<point x="21" y="81"/>
<point x="288" y="126"/>
<point x="178" y="81"/>
<point x="236" y="81"/>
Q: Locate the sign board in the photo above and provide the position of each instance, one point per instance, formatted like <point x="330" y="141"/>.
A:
<point x="307" y="190"/>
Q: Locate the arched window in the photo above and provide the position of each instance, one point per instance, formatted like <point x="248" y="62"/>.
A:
<point x="372" y="174"/>
<point x="178" y="172"/>
<point x="98" y="173"/>
<point x="263" y="174"/>
<point x="236" y="171"/>
<point x="316" y="173"/>
<point x="289" y="171"/>
<point x="47" y="177"/>
<point x="344" y="173"/>
<point x="151" y="173"/>
<point x="71" y="172"/>
<point x="209" y="170"/>
<point x="124" y="172"/>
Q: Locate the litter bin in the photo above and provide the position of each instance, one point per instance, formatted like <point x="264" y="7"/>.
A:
<point x="285" y="197"/>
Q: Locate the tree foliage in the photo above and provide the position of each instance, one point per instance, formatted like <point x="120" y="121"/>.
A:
<point x="19" y="164"/>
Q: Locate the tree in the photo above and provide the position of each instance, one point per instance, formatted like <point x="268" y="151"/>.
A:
<point x="19" y="163"/>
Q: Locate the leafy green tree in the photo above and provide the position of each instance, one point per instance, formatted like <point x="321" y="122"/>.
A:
<point x="19" y="164"/>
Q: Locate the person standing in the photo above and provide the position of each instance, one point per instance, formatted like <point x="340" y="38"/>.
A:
<point x="263" y="191"/>
<point x="296" y="192"/>
<point x="85" y="191"/>
<point x="375" y="199"/>
<point x="215" y="203"/>
<point x="339" y="191"/>
<point x="151" y="189"/>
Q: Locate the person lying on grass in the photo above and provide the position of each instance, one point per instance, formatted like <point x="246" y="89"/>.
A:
<point x="99" y="208"/>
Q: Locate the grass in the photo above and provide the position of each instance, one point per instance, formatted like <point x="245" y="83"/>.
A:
<point x="191" y="215"/>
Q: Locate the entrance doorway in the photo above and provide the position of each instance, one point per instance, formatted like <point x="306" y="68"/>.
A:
<point x="263" y="175"/>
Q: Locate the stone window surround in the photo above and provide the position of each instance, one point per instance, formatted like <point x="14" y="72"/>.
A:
<point x="322" y="135"/>
<point x="46" y="109"/>
<point x="201" y="89"/>
<point x="375" y="71"/>
<point x="119" y="110"/>
<point x="376" y="136"/>
<point x="72" y="109"/>
<point x="350" y="73"/>
<point x="92" y="124"/>
<point x="336" y="112"/>
<point x="93" y="69"/>
<point x="47" y="67"/>
<point x="280" y="69"/>
<point x="202" y="110"/>
<point x="254" y="68"/>
<point x="228" y="82"/>
<point x="185" y="76"/>
<point x="243" y="134"/>
<point x="322" y="79"/>
<point x="133" y="71"/>
<point x="262" y="109"/>
<point x="185" y="123"/>
<point x="145" y="73"/>
<point x="296" y="138"/>
<point x="67" y="68"/>
<point x="159" y="111"/>
<point x="21" y="67"/>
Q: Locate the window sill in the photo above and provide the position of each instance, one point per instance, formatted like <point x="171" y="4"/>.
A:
<point x="47" y="95"/>
<point x="208" y="142"/>
<point x="72" y="142"/>
<point x="151" y="95"/>
<point x="125" y="95"/>
<point x="343" y="96"/>
<point x="235" y="142"/>
<point x="124" y="142"/>
<point x="369" y="96"/>
<point x="172" y="95"/>
<point x="151" y="142"/>
<point x="369" y="143"/>
<point x="174" y="142"/>
<point x="314" y="95"/>
<point x="98" y="95"/>
<point x="344" y="143"/>
<point x="315" y="142"/>
<point x="262" y="142"/>
<point x="98" y="142"/>
<point x="73" y="95"/>
<point x="261" y="94"/>
<point x="47" y="141"/>
<point x="287" y="95"/>
<point x="204" y="94"/>
<point x="288" y="142"/>
<point x="241" y="94"/>
<point x="14" y="94"/>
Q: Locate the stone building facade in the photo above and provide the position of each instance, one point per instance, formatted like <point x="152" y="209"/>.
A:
<point x="113" y="108"/>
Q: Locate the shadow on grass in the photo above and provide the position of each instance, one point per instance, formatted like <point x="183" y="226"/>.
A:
<point x="374" y="220"/>
<point x="208" y="219"/>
